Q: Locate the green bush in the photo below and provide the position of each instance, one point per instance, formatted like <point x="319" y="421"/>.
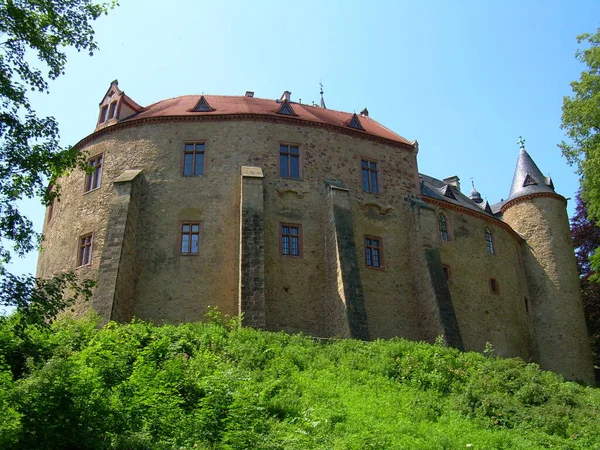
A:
<point x="218" y="386"/>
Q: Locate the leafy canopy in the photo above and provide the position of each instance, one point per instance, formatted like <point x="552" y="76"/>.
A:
<point x="586" y="239"/>
<point x="581" y="120"/>
<point x="30" y="153"/>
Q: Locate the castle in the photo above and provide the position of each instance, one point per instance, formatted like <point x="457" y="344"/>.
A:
<point x="305" y="219"/>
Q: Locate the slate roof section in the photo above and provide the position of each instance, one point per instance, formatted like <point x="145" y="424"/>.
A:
<point x="227" y="105"/>
<point x="528" y="178"/>
<point x="437" y="189"/>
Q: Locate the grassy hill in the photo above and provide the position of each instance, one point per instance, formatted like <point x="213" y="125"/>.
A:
<point x="213" y="386"/>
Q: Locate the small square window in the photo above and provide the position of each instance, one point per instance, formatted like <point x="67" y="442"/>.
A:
<point x="374" y="252"/>
<point x="447" y="272"/>
<point x="193" y="159"/>
<point x="84" y="253"/>
<point x="289" y="161"/>
<point x="92" y="179"/>
<point x="370" y="182"/>
<point x="291" y="239"/>
<point x="494" y="286"/>
<point x="190" y="238"/>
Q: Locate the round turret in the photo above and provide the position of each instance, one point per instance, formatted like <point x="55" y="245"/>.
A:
<point x="536" y="212"/>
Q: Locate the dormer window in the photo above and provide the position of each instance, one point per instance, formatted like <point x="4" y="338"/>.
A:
<point x="202" y="105"/>
<point x="109" y="110"/>
<point x="355" y="123"/>
<point x="286" y="109"/>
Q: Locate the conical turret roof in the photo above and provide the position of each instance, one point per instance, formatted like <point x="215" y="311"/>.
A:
<point x="528" y="178"/>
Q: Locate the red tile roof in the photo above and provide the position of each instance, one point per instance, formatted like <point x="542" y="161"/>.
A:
<point x="242" y="105"/>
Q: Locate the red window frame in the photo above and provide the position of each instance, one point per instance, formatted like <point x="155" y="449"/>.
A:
<point x="194" y="159"/>
<point x="370" y="175"/>
<point x="290" y="161"/>
<point x="189" y="238"/>
<point x="84" y="250"/>
<point x="290" y="240"/>
<point x="374" y="252"/>
<point x="93" y="179"/>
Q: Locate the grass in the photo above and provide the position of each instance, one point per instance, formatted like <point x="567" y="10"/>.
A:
<point x="217" y="386"/>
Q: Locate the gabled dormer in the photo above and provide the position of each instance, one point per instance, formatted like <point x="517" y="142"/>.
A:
<point x="447" y="192"/>
<point x="355" y="123"/>
<point x="115" y="106"/>
<point x="286" y="108"/>
<point x="203" y="105"/>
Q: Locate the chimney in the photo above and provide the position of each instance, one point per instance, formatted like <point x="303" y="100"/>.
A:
<point x="453" y="181"/>
<point x="249" y="94"/>
<point x="285" y="97"/>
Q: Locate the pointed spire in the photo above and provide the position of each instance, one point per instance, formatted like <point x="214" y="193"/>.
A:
<point x="528" y="178"/>
<point x="322" y="99"/>
<point x="474" y="195"/>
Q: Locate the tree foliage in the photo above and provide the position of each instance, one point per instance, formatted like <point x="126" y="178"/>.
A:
<point x="581" y="120"/>
<point x="30" y="153"/>
<point x="586" y="239"/>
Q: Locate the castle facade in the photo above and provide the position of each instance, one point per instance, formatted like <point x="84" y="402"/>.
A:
<point x="305" y="219"/>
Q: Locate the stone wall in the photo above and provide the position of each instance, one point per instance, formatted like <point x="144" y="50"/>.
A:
<point x="501" y="317"/>
<point x="554" y="295"/>
<point x="241" y="219"/>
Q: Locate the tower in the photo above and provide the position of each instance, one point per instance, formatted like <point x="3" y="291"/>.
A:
<point x="538" y="213"/>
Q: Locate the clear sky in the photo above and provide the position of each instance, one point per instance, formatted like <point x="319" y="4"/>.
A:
<point x="464" y="78"/>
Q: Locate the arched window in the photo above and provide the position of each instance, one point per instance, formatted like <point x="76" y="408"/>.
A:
<point x="443" y="227"/>
<point x="489" y="241"/>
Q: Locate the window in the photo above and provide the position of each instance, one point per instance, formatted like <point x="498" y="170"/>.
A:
<point x="373" y="252"/>
<point x="92" y="179"/>
<point x="103" y="112"/>
<point x="494" y="286"/>
<point x="193" y="159"/>
<point x="446" y="270"/>
<point x="369" y="176"/>
<point x="489" y="241"/>
<point x="443" y="227"/>
<point x="289" y="161"/>
<point x="190" y="238"/>
<point x="291" y="239"/>
<point x="112" y="110"/>
<point x="84" y="254"/>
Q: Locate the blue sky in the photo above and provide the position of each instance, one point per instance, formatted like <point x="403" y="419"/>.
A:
<point x="464" y="78"/>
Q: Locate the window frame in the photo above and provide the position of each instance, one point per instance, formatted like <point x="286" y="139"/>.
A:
<point x="445" y="222"/>
<point x="193" y="142"/>
<point x="191" y="223"/>
<point x="289" y="145"/>
<point x="489" y="243"/>
<point x="300" y="254"/>
<point x="381" y="265"/>
<point x="377" y="171"/>
<point x="90" y="177"/>
<point x="82" y="247"/>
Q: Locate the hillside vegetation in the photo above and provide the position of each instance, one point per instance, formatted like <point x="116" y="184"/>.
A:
<point x="218" y="386"/>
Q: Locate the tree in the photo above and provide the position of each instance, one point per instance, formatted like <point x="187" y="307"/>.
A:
<point x="581" y="120"/>
<point x="586" y="239"/>
<point x="30" y="153"/>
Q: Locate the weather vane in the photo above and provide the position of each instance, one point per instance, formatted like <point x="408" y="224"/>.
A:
<point x="521" y="142"/>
